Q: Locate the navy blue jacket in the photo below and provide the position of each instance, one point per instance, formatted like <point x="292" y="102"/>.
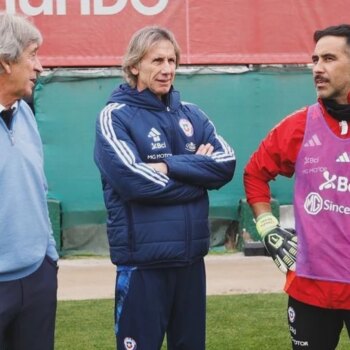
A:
<point x="156" y="219"/>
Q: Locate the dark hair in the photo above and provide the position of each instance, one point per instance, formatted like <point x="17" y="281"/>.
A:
<point x="342" y="30"/>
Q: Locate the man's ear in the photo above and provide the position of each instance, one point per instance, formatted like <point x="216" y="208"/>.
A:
<point x="6" y="66"/>
<point x="134" y="70"/>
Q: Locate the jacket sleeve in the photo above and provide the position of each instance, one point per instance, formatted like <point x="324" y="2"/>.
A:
<point x="120" y="165"/>
<point x="211" y="172"/>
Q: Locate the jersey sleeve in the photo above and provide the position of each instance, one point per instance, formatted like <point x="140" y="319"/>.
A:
<point x="276" y="155"/>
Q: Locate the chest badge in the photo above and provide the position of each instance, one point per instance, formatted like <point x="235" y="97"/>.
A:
<point x="186" y="127"/>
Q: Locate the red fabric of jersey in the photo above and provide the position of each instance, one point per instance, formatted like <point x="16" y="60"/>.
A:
<point x="277" y="155"/>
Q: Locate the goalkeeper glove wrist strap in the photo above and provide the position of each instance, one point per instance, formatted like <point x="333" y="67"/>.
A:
<point x="265" y="223"/>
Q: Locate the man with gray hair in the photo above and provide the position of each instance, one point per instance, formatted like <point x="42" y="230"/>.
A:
<point x="28" y="257"/>
<point x="158" y="157"/>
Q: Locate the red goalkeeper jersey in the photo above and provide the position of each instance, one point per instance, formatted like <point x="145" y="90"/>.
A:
<point x="277" y="155"/>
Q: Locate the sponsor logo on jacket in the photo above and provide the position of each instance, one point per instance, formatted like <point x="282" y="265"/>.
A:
<point x="155" y="135"/>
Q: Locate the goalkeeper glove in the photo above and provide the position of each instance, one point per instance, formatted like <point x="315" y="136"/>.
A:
<point x="280" y="243"/>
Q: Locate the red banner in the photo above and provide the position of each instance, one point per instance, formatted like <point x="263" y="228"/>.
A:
<point x="88" y="33"/>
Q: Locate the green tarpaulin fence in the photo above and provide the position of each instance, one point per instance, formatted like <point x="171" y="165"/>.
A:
<point x="243" y="104"/>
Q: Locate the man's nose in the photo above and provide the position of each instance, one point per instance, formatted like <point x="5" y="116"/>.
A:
<point x="37" y="66"/>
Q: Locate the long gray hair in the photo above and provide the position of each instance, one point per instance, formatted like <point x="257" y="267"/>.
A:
<point x="16" y="34"/>
<point x="139" y="45"/>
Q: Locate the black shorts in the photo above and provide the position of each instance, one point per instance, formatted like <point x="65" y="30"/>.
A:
<point x="315" y="328"/>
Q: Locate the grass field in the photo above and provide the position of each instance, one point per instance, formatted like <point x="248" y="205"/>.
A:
<point x="234" y="322"/>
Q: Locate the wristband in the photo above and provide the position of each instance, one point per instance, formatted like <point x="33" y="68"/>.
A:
<point x="265" y="223"/>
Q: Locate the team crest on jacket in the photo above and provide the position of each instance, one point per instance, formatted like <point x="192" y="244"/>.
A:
<point x="130" y="344"/>
<point x="186" y="126"/>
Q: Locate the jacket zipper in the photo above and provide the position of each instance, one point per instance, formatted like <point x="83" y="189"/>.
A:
<point x="188" y="233"/>
<point x="131" y="234"/>
<point x="185" y="210"/>
<point x="172" y="131"/>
